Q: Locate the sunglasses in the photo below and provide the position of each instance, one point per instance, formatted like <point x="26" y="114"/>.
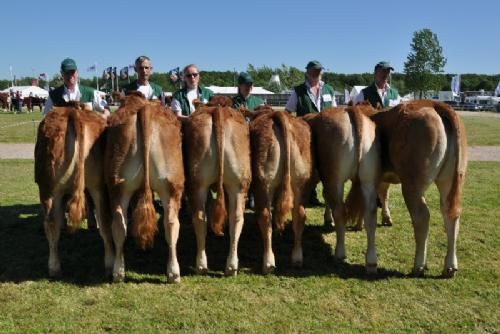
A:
<point x="192" y="75"/>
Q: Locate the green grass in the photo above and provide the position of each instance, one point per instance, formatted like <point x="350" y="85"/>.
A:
<point x="19" y="128"/>
<point x="321" y="297"/>
<point x="482" y="130"/>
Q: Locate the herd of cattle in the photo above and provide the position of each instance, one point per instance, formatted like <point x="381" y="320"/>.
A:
<point x="144" y="148"/>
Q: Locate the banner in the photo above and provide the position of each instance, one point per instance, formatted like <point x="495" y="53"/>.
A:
<point x="91" y="68"/>
<point x="42" y="76"/>
<point x="106" y="74"/>
<point x="455" y="85"/>
<point x="174" y="75"/>
<point x="124" y="73"/>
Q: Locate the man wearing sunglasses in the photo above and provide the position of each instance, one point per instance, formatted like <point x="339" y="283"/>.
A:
<point x="150" y="90"/>
<point x="182" y="101"/>
<point x="71" y="90"/>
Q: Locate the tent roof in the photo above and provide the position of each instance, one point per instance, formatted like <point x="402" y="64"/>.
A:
<point x="26" y="90"/>
<point x="234" y="90"/>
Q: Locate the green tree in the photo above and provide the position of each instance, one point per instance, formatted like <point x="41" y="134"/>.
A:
<point x="424" y="61"/>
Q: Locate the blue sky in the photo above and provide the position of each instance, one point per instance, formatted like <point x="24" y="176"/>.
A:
<point x="347" y="36"/>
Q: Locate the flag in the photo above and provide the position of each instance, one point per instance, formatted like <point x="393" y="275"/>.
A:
<point x="106" y="74"/>
<point x="91" y="68"/>
<point x="174" y="75"/>
<point x="455" y="85"/>
<point x="347" y="96"/>
<point x="497" y="90"/>
<point x="42" y="76"/>
<point x="113" y="73"/>
<point x="124" y="73"/>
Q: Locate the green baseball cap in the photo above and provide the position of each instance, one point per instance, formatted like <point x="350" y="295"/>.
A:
<point x="68" y="64"/>
<point x="385" y="65"/>
<point x="245" y="78"/>
<point x="314" y="64"/>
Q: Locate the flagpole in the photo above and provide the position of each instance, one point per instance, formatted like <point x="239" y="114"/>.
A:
<point x="11" y="77"/>
<point x="96" y="77"/>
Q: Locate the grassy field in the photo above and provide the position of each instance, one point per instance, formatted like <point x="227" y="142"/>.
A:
<point x="21" y="128"/>
<point x="321" y="297"/>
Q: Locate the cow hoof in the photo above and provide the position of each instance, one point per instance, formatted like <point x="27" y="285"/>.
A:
<point x="340" y="260"/>
<point x="371" y="269"/>
<point x="55" y="273"/>
<point x="418" y="272"/>
<point x="118" y="278"/>
<point x="173" y="278"/>
<point x="449" y="272"/>
<point x="201" y="270"/>
<point x="108" y="272"/>
<point x="269" y="269"/>
<point x="386" y="221"/>
<point x="230" y="272"/>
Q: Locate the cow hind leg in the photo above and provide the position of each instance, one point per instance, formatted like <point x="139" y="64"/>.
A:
<point x="383" y="195"/>
<point x="236" y="210"/>
<point x="451" y="225"/>
<point x="119" y="231"/>
<point x="171" y="203"/>
<point x="370" y="219"/>
<point x="104" y="223"/>
<point x="54" y="218"/>
<point x="298" y="222"/>
<point x="334" y="196"/>
<point x="419" y="212"/>
<point x="263" y="211"/>
<point x="200" y="228"/>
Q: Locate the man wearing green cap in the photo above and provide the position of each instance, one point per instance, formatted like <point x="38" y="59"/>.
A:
<point x="380" y="94"/>
<point x="71" y="90"/>
<point x="313" y="95"/>
<point x="245" y="98"/>
<point x="150" y="90"/>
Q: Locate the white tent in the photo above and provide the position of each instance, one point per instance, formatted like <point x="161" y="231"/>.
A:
<point x="234" y="90"/>
<point x="27" y="90"/>
<point x="355" y="91"/>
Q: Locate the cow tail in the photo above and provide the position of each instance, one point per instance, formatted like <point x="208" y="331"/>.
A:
<point x="454" y="198"/>
<point x="355" y="203"/>
<point x="144" y="216"/>
<point x="284" y="201"/>
<point x="76" y="204"/>
<point x="219" y="214"/>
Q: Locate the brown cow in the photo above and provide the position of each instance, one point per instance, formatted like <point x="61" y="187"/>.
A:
<point x="424" y="142"/>
<point x="68" y="159"/>
<point x="217" y="152"/>
<point x="282" y="168"/>
<point x="144" y="152"/>
<point x="346" y="148"/>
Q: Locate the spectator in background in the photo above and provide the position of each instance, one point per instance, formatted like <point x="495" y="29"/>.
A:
<point x="244" y="98"/>
<point x="182" y="101"/>
<point x="144" y="69"/>
<point x="72" y="91"/>
<point x="380" y="93"/>
<point x="313" y="95"/>
<point x="19" y="101"/>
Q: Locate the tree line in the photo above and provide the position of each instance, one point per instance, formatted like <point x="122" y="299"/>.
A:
<point x="289" y="77"/>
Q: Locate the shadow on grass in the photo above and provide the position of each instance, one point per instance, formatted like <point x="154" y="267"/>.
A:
<point x="24" y="253"/>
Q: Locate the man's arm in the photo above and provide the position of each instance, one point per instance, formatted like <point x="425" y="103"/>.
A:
<point x="48" y="106"/>
<point x="291" y="104"/>
<point x="176" y="107"/>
